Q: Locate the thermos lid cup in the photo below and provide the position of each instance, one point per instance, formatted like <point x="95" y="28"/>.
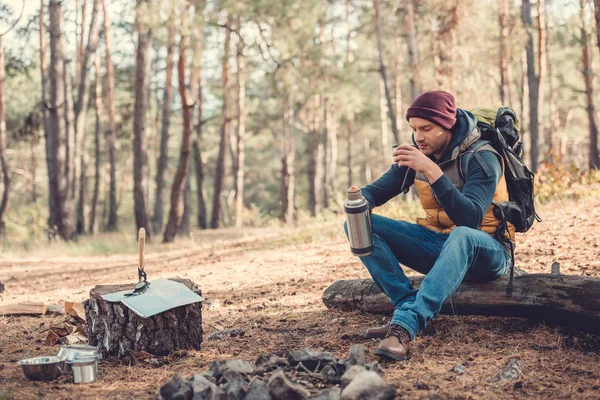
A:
<point x="354" y="193"/>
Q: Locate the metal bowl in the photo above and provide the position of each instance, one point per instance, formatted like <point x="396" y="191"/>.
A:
<point x="74" y="351"/>
<point x="43" y="368"/>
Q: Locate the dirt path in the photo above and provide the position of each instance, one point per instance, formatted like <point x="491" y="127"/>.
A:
<point x="269" y="283"/>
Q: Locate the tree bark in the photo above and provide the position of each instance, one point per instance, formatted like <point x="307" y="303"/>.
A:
<point x="532" y="84"/>
<point x="161" y="166"/>
<point x="315" y="152"/>
<point x="542" y="64"/>
<point x="3" y="162"/>
<point x="80" y="41"/>
<point x="553" y="95"/>
<point x="240" y="133"/>
<point x="398" y="80"/>
<point x="558" y="299"/>
<point x="588" y="77"/>
<point x="330" y="152"/>
<point x="225" y="133"/>
<point x="504" y="15"/>
<point x="81" y="107"/>
<point x="142" y="69"/>
<point x="111" y="132"/>
<point x="184" y="225"/>
<point x="382" y="70"/>
<point x="350" y="159"/>
<point x="57" y="139"/>
<point x="44" y="108"/>
<point x="118" y="331"/>
<point x="288" y="173"/>
<point x="366" y="158"/>
<point x="181" y="175"/>
<point x="198" y="167"/>
<point x="413" y="49"/>
<point x="97" y="161"/>
<point x="383" y="136"/>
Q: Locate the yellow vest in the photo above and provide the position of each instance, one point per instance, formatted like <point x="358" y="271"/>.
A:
<point x="436" y="218"/>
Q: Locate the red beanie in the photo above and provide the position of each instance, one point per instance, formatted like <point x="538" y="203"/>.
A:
<point x="437" y="106"/>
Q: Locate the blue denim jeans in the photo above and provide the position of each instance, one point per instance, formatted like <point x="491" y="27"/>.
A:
<point x="445" y="259"/>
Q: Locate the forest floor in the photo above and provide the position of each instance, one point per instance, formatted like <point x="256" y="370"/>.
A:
<point x="269" y="282"/>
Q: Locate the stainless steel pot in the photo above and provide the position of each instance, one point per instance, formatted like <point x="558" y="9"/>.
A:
<point x="85" y="370"/>
<point x="74" y="351"/>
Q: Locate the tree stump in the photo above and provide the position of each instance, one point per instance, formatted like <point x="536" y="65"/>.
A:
<point x="118" y="331"/>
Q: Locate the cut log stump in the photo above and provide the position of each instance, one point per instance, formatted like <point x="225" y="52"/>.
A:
<point x="118" y="331"/>
<point x="566" y="300"/>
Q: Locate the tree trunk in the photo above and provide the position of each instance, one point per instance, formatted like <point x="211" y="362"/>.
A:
<point x="201" y="202"/>
<point x="558" y="299"/>
<point x="177" y="329"/>
<point x="181" y="175"/>
<point x="542" y="63"/>
<point x="57" y="139"/>
<point x="413" y="49"/>
<point x="398" y="81"/>
<point x="111" y="132"/>
<point x="553" y="95"/>
<point x="184" y="225"/>
<point x="532" y="84"/>
<point x="97" y="161"/>
<point x="382" y="70"/>
<point x="81" y="107"/>
<point x="80" y="41"/>
<point x="504" y="15"/>
<point x="594" y="158"/>
<point x="288" y="173"/>
<point x="366" y="158"/>
<point x="3" y="163"/>
<point x="69" y="115"/>
<point x="315" y="158"/>
<point x="385" y="151"/>
<point x="44" y="109"/>
<point x="142" y="72"/>
<point x="330" y="152"/>
<point x="240" y="134"/>
<point x="161" y="167"/>
<point x="225" y="133"/>
<point x="350" y="160"/>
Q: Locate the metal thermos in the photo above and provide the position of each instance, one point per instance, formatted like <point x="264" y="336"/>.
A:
<point x="359" y="223"/>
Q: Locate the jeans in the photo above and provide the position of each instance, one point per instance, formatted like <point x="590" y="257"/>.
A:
<point x="445" y="259"/>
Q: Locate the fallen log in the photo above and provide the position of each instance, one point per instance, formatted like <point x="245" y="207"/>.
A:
<point x="118" y="331"/>
<point x="565" y="300"/>
<point x="23" y="309"/>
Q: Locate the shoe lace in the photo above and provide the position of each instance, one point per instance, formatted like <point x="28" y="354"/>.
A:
<point x="399" y="332"/>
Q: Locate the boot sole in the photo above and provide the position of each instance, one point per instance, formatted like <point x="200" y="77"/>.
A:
<point x="389" y="355"/>
<point x="370" y="336"/>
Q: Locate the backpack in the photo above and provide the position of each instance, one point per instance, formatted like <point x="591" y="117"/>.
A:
<point x="500" y="129"/>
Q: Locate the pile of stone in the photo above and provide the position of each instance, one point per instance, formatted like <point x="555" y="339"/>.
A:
<point x="302" y="374"/>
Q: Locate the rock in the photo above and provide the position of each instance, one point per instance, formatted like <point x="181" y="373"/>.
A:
<point x="350" y="374"/>
<point x="458" y="369"/>
<point x="217" y="368"/>
<point x="356" y="355"/>
<point x="176" y="388"/>
<point x="208" y="376"/>
<point x="271" y="361"/>
<point x="374" y="366"/>
<point x="204" y="389"/>
<point x="282" y="389"/>
<point x="333" y="393"/>
<point x="367" y="385"/>
<point x="231" y="376"/>
<point x="257" y="390"/>
<point x="510" y="372"/>
<point x="329" y="374"/>
<point x="421" y="386"/>
<point x="218" y="335"/>
<point x="235" y="389"/>
<point x="311" y="359"/>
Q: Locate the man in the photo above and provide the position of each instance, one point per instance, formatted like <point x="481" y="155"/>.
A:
<point x="458" y="236"/>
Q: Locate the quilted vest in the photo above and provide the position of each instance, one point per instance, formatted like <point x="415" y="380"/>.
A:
<point x="436" y="218"/>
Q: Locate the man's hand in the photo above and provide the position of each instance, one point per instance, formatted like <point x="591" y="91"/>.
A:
<point x="410" y="156"/>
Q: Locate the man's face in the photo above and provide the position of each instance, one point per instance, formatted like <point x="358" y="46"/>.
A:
<point x="432" y="139"/>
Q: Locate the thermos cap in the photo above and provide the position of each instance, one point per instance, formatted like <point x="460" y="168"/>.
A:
<point x="354" y="193"/>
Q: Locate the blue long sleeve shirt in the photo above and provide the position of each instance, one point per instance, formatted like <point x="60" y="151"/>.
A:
<point x="464" y="209"/>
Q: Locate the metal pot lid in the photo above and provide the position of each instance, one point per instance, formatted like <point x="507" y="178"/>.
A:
<point x="83" y="361"/>
<point x="41" y="360"/>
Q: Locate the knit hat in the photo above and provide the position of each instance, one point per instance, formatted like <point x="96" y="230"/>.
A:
<point x="438" y="107"/>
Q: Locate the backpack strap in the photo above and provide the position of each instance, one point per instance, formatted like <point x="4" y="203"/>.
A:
<point x="473" y="151"/>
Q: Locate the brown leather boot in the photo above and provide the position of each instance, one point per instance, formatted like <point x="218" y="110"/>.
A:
<point x="377" y="333"/>
<point x="395" y="344"/>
